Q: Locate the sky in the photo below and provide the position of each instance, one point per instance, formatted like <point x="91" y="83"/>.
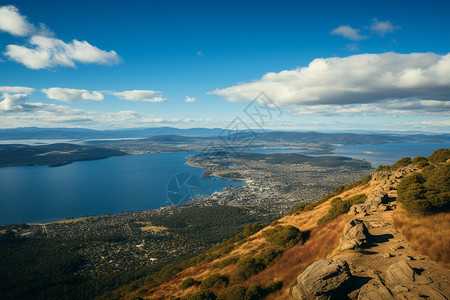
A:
<point x="284" y="65"/>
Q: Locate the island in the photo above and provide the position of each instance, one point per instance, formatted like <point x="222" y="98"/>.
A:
<point x="51" y="155"/>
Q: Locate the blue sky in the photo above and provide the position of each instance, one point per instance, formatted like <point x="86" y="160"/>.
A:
<point x="348" y="65"/>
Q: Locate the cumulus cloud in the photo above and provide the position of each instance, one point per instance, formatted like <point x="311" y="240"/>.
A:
<point x="382" y="27"/>
<point x="44" y="51"/>
<point x="141" y="95"/>
<point x="12" y="22"/>
<point x="16" y="89"/>
<point x="72" y="95"/>
<point x="47" y="52"/>
<point x="348" y="32"/>
<point x="13" y="102"/>
<point x="388" y="107"/>
<point x="357" y="79"/>
<point x="190" y="100"/>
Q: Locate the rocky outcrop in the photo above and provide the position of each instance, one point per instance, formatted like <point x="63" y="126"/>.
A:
<point x="402" y="273"/>
<point x="324" y="279"/>
<point x="374" y="290"/>
<point x="376" y="201"/>
<point x="355" y="235"/>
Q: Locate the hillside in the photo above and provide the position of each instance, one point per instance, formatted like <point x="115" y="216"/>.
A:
<point x="51" y="155"/>
<point x="352" y="244"/>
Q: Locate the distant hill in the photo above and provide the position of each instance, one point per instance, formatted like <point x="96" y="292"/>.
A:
<point x="294" y="158"/>
<point x="81" y="133"/>
<point x="51" y="155"/>
<point x="347" y="138"/>
<point x="168" y="133"/>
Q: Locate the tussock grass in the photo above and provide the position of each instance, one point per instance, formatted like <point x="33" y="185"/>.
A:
<point x="429" y="235"/>
<point x="323" y="239"/>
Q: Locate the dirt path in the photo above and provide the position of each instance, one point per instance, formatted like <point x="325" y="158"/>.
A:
<point x="388" y="246"/>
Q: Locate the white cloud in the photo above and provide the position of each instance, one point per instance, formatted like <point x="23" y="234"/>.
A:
<point x="190" y="100"/>
<point x="16" y="89"/>
<point x="382" y="27"/>
<point x="13" y="102"/>
<point x="141" y="95"/>
<point x="348" y="32"/>
<point x="72" y="95"/>
<point x="51" y="52"/>
<point x="12" y="22"/>
<point x="200" y="53"/>
<point x="357" y="79"/>
<point x="388" y="107"/>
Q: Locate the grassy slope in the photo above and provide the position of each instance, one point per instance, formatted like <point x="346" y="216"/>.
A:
<point x="323" y="240"/>
<point x="428" y="234"/>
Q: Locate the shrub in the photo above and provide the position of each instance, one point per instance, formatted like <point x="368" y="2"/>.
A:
<point x="273" y="286"/>
<point x="340" y="207"/>
<point x="215" y="280"/>
<point x="285" y="236"/>
<point x="245" y="268"/>
<point x="202" y="295"/>
<point x="426" y="193"/>
<point x="254" y="292"/>
<point x="236" y="292"/>
<point x="401" y="163"/>
<point x="249" y="266"/>
<point x="268" y="255"/>
<point x="418" y="159"/>
<point x="188" y="282"/>
<point x="226" y="262"/>
<point x="439" y="156"/>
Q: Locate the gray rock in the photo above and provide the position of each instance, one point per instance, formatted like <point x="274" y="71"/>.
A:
<point x="355" y="235"/>
<point x="323" y="280"/>
<point x="374" y="290"/>
<point x="400" y="273"/>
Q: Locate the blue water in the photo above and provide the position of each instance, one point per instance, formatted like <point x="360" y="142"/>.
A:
<point x="131" y="183"/>
<point x="112" y="185"/>
<point x="387" y="154"/>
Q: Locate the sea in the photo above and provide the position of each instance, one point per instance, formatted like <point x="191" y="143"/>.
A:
<point x="39" y="194"/>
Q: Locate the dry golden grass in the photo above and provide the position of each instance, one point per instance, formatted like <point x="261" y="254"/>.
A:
<point x="323" y="240"/>
<point x="429" y="235"/>
<point x="72" y="220"/>
<point x="147" y="226"/>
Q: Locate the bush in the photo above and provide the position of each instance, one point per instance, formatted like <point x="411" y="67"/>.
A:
<point x="249" y="266"/>
<point x="340" y="207"/>
<point x="401" y="163"/>
<point x="422" y="164"/>
<point x="202" y="295"/>
<point x="426" y="193"/>
<point x="236" y="292"/>
<point x="215" y="280"/>
<point x="188" y="282"/>
<point x="439" y="156"/>
<point x="285" y="236"/>
<point x="245" y="268"/>
<point x="226" y="262"/>
<point x="418" y="159"/>
<point x="254" y="292"/>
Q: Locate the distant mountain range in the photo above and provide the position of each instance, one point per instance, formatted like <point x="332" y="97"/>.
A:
<point x="171" y="134"/>
<point x="82" y="133"/>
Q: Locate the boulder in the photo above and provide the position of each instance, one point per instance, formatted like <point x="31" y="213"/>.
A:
<point x="355" y="235"/>
<point x="357" y="209"/>
<point x="324" y="279"/>
<point x="400" y="273"/>
<point x="374" y="290"/>
<point x="374" y="200"/>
